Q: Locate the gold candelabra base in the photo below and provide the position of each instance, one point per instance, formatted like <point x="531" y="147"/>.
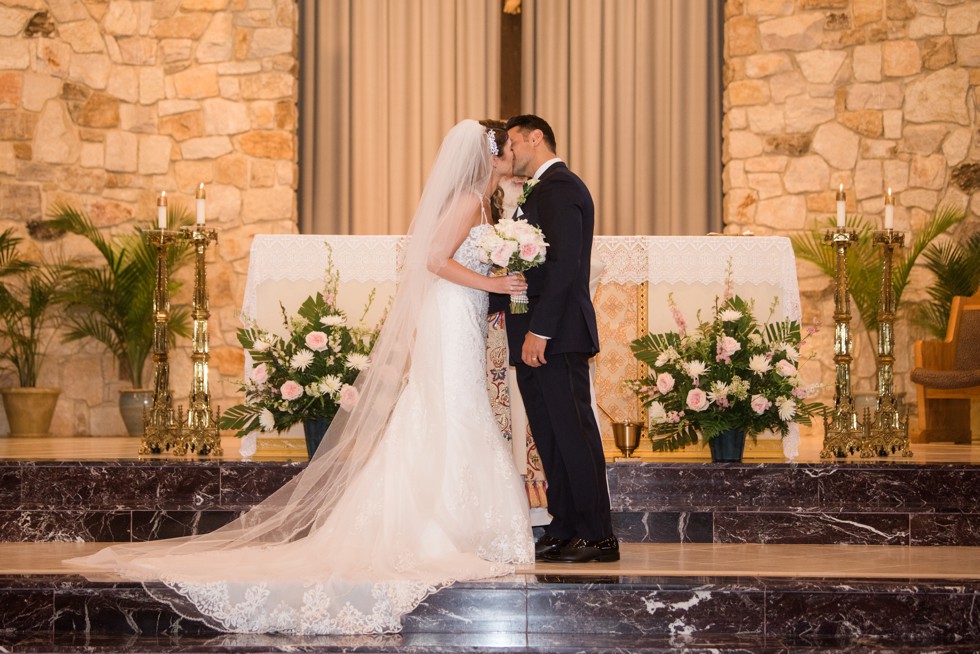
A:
<point x="161" y="431"/>
<point x="199" y="433"/>
<point x="888" y="433"/>
<point x="843" y="432"/>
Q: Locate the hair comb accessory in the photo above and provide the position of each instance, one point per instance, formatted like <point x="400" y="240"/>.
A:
<point x="492" y="143"/>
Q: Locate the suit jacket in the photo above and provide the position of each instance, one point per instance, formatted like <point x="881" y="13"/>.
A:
<point x="560" y="304"/>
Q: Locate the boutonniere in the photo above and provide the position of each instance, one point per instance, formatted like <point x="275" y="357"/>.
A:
<point x="526" y="191"/>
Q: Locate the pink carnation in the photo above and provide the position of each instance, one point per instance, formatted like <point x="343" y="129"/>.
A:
<point x="316" y="341"/>
<point x="291" y="390"/>
<point x="348" y="397"/>
<point x="697" y="400"/>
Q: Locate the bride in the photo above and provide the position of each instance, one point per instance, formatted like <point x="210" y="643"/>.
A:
<point x="418" y="490"/>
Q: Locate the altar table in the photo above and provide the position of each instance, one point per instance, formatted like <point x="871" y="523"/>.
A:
<point x="638" y="273"/>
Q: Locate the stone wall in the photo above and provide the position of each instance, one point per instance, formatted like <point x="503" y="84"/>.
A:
<point x="105" y="103"/>
<point x="868" y="93"/>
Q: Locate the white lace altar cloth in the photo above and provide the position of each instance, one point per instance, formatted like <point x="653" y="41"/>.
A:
<point x="672" y="262"/>
<point x="287" y="268"/>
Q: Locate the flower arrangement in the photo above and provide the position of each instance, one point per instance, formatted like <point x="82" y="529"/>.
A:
<point x="309" y="373"/>
<point x="730" y="373"/>
<point x="514" y="246"/>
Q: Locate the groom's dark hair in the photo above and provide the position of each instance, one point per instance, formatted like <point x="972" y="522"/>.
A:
<point x="530" y="122"/>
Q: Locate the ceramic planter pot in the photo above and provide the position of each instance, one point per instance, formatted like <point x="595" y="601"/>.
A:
<point x="29" y="410"/>
<point x="132" y="402"/>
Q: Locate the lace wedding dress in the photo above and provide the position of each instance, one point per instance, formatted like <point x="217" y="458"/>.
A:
<point x="438" y="501"/>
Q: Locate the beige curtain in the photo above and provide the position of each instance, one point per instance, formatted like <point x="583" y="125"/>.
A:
<point x="633" y="91"/>
<point x="632" y="88"/>
<point x="382" y="82"/>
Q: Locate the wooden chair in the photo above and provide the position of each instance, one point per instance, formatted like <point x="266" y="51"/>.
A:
<point x="947" y="375"/>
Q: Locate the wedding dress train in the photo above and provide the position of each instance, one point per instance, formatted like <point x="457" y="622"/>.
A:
<point x="438" y="501"/>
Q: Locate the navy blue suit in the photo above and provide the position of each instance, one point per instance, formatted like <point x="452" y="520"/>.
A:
<point x="557" y="395"/>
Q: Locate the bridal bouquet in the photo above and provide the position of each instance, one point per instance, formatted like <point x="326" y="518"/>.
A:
<point x="307" y="374"/>
<point x="514" y="246"/>
<point x="730" y="373"/>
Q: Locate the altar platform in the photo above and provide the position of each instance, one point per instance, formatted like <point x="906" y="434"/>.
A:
<point x="861" y="555"/>
<point x="658" y="598"/>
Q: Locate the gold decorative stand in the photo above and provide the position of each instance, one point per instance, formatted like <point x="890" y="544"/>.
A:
<point x="199" y="433"/>
<point x="842" y="429"/>
<point x="889" y="431"/>
<point x="161" y="428"/>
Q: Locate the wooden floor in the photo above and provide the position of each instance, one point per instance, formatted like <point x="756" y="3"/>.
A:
<point x="669" y="560"/>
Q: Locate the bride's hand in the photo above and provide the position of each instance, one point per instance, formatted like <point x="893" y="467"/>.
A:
<point x="509" y="285"/>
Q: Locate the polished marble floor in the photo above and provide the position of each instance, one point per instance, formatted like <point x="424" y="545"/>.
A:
<point x="109" y="448"/>
<point x="656" y="559"/>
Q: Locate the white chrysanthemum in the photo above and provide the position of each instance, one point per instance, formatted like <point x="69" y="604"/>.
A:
<point x="694" y="369"/>
<point x="332" y="320"/>
<point x="787" y="408"/>
<point x="719" y="391"/>
<point x="667" y="356"/>
<point x="730" y="315"/>
<point x="755" y="339"/>
<point x="791" y="352"/>
<point x="260" y="345"/>
<point x="759" y="364"/>
<point x="266" y="420"/>
<point x="358" y="361"/>
<point x="330" y="385"/>
<point x="657" y="413"/>
<point x="301" y="360"/>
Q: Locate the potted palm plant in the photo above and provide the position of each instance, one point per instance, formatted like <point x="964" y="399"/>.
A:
<point x="956" y="267"/>
<point x="112" y="302"/>
<point x="28" y="295"/>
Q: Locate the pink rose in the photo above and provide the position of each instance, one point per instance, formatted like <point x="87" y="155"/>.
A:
<point x="291" y="390"/>
<point x="502" y="254"/>
<point x="665" y="382"/>
<point x="727" y="346"/>
<point x="697" y="400"/>
<point x="760" y="404"/>
<point x="260" y="374"/>
<point x="348" y="397"/>
<point x="785" y="368"/>
<point x="316" y="341"/>
<point x="529" y="251"/>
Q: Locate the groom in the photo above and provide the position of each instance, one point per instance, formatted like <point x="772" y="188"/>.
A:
<point x="550" y="346"/>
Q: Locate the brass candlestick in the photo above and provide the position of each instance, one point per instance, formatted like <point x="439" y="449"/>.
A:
<point x="199" y="433"/>
<point x="160" y="428"/>
<point x="889" y="431"/>
<point x="842" y="429"/>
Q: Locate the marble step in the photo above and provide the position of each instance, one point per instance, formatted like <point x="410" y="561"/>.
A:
<point x="534" y="613"/>
<point x="875" y="503"/>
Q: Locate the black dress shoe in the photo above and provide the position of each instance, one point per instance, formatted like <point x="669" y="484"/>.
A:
<point x="547" y="544"/>
<point x="580" y="550"/>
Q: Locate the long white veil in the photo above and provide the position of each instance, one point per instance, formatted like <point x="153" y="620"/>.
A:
<point x="258" y="549"/>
